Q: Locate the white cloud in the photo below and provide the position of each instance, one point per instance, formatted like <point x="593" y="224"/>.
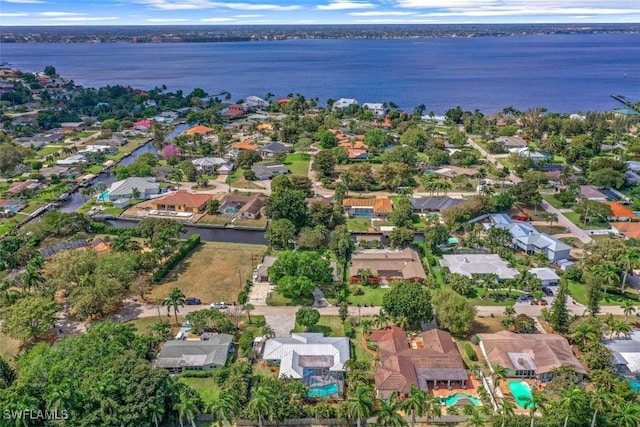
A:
<point x="206" y="4"/>
<point x="81" y="18"/>
<point x="163" y="20"/>
<point x="247" y="16"/>
<point x="13" y="15"/>
<point x="495" y="11"/>
<point x="218" y="20"/>
<point x="25" y="1"/>
<point x="61" y="14"/>
<point x="345" y="5"/>
<point x="381" y="13"/>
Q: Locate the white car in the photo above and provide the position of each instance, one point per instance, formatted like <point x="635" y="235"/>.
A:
<point x="219" y="305"/>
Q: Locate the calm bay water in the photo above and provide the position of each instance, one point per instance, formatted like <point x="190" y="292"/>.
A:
<point x="565" y="73"/>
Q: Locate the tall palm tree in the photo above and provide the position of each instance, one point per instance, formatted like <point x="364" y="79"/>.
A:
<point x="259" y="407"/>
<point x="135" y="193"/>
<point x="359" y="405"/>
<point x="415" y="404"/>
<point x="570" y="402"/>
<point x="499" y="373"/>
<point x="476" y="419"/>
<point x="535" y="402"/>
<point x="433" y="407"/>
<point x="388" y="413"/>
<point x="584" y="333"/>
<point x="627" y="307"/>
<point x="608" y="272"/>
<point x="600" y="400"/>
<point x="552" y="217"/>
<point x="620" y="327"/>
<point x="156" y="409"/>
<point x="507" y="410"/>
<point x="626" y="414"/>
<point x="224" y="409"/>
<point x="381" y="319"/>
<point x="175" y="299"/>
<point x="187" y="408"/>
<point x="630" y="261"/>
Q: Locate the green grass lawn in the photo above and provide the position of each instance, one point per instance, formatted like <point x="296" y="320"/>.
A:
<point x="579" y="293"/>
<point x="277" y="299"/>
<point x="554" y="229"/>
<point x="552" y="201"/>
<point x="357" y="224"/>
<point x="575" y="218"/>
<point x="372" y="295"/>
<point x="298" y="163"/>
<point x="94" y="169"/>
<point x="328" y="325"/>
<point x="206" y="388"/>
<point x="48" y="150"/>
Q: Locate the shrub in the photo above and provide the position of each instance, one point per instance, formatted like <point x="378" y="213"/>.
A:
<point x="471" y="354"/>
<point x="348" y="330"/>
<point x="197" y="374"/>
<point x="190" y="244"/>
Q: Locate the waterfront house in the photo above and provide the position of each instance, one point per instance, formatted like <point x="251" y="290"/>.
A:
<point x="433" y="204"/>
<point x="433" y="361"/>
<point x="483" y="264"/>
<point x="273" y="148"/>
<point x="344" y="103"/>
<point x="255" y="103"/>
<point x="198" y="130"/>
<point x="378" y="208"/>
<point x="626" y="355"/>
<point x="207" y="354"/>
<point x="242" y="207"/>
<point x="529" y="355"/>
<point x="147" y="187"/>
<point x="509" y="142"/>
<point x="269" y="170"/>
<point x="234" y="111"/>
<point x="27" y="187"/>
<point x="182" y="201"/>
<point x="377" y="108"/>
<point x="387" y="265"/>
<point x="213" y="164"/>
<point x="316" y="360"/>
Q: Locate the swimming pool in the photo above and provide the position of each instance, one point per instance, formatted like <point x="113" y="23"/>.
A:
<point x="104" y="197"/>
<point x="521" y="392"/>
<point x="453" y="399"/>
<point x="324" y="391"/>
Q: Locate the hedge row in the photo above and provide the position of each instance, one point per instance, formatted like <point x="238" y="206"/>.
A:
<point x="348" y="329"/>
<point x="102" y="228"/>
<point x="471" y="354"/>
<point x="190" y="244"/>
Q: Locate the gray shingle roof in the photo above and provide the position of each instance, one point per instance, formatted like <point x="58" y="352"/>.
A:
<point x="182" y="354"/>
<point x="435" y="203"/>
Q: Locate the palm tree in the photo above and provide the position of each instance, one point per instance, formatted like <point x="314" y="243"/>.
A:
<point x="571" y="401"/>
<point x="535" y="402"/>
<point x="433" y="407"/>
<point x="224" y="409"/>
<point x="388" y="413"/>
<point x="631" y="260"/>
<point x="135" y="193"/>
<point x="157" y="411"/>
<point x="628" y="308"/>
<point x="259" y="407"/>
<point x="499" y="373"/>
<point x="476" y="419"/>
<point x="381" y="319"/>
<point x="552" y="217"/>
<point x="100" y="188"/>
<point x="620" y="327"/>
<point x="506" y="411"/>
<point x="626" y="414"/>
<point x="187" y="408"/>
<point x="599" y="400"/>
<point x="175" y="299"/>
<point x="583" y="333"/>
<point x="365" y="274"/>
<point x="248" y="307"/>
<point x="359" y="405"/>
<point x="608" y="272"/>
<point x="415" y="404"/>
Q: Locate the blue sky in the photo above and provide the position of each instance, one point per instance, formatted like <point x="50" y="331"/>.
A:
<point x="267" y="12"/>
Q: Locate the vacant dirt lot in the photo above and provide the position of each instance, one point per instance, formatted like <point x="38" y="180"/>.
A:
<point x="214" y="272"/>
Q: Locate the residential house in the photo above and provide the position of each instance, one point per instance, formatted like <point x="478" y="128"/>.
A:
<point x="142" y="125"/>
<point x="247" y="144"/>
<point x="177" y="356"/>
<point x="534" y="155"/>
<point x="268" y="171"/>
<point x="630" y="230"/>
<point x="11" y="206"/>
<point x="198" y="130"/>
<point x="621" y="212"/>
<point x="379" y="208"/>
<point x="509" y="142"/>
<point x="626" y="355"/>
<point x="242" y="207"/>
<point x="450" y="172"/>
<point x="529" y="355"/>
<point x="255" y="103"/>
<point x="590" y="192"/>
<point x="147" y="188"/>
<point x="431" y="361"/>
<point x="344" y="103"/>
<point x="433" y="204"/>
<point x="439" y="120"/>
<point x="377" y="108"/>
<point x="316" y="360"/>
<point x="547" y="276"/>
<point x="273" y="148"/>
<point x="387" y="265"/>
<point x="483" y="264"/>
<point x="213" y="164"/>
<point x="182" y="201"/>
<point x="234" y="111"/>
<point x="29" y="186"/>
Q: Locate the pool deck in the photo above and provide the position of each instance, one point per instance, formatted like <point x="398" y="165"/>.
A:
<point x="506" y="391"/>
<point x="472" y="389"/>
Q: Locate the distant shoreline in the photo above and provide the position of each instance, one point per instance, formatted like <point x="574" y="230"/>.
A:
<point x="259" y="33"/>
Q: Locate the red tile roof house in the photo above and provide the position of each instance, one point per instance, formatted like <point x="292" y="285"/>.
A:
<point x="233" y="111"/>
<point x="367" y="208"/>
<point x="182" y="201"/>
<point x="437" y="364"/>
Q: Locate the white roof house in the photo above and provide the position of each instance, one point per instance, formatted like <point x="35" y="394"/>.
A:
<point x="626" y="353"/>
<point x="255" y="102"/>
<point x="546" y="275"/>
<point x="305" y="350"/>
<point x="469" y="264"/>
<point x="123" y="189"/>
<point x="344" y="102"/>
<point x="377" y="108"/>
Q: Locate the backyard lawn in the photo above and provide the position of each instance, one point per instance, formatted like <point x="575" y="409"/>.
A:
<point x="206" y="388"/>
<point x="237" y="180"/>
<point x="298" y="163"/>
<point x="330" y="326"/>
<point x="552" y="201"/>
<point x="372" y="295"/>
<point x="579" y="293"/>
<point x="277" y="299"/>
<point x="215" y="271"/>
<point x="355" y="224"/>
<point x="575" y="218"/>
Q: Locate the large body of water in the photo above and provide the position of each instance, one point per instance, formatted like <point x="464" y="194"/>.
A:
<point x="565" y="73"/>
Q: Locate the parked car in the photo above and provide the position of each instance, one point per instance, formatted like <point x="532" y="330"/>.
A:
<point x="192" y="301"/>
<point x="219" y="305"/>
<point x="548" y="292"/>
<point x="525" y="297"/>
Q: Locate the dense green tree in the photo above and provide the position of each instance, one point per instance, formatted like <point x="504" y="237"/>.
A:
<point x="295" y="286"/>
<point x="560" y="317"/>
<point x="307" y="317"/>
<point x="436" y="235"/>
<point x="326" y="139"/>
<point x="409" y="299"/>
<point x="401" y="237"/>
<point x="388" y="415"/>
<point x="454" y="313"/>
<point x="342" y="245"/>
<point x="281" y="233"/>
<point x="301" y="263"/>
<point x="247" y="158"/>
<point x="524" y="324"/>
<point x="29" y="317"/>
<point x="288" y="204"/>
<point x="402" y="213"/>
<point x="324" y="163"/>
<point x="401" y="154"/>
<point x="359" y="405"/>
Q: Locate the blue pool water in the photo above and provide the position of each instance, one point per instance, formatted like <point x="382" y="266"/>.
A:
<point x="453" y="399"/>
<point x="362" y="215"/>
<point x="521" y="392"/>
<point x="231" y="211"/>
<point x="325" y="390"/>
<point x="635" y="385"/>
<point x="104" y="197"/>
